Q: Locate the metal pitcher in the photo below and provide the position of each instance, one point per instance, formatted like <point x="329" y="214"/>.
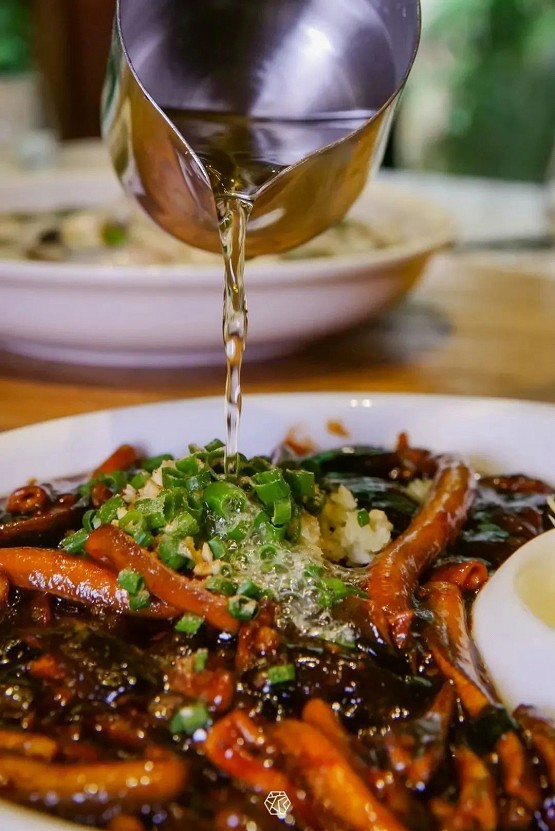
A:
<point x="295" y="62"/>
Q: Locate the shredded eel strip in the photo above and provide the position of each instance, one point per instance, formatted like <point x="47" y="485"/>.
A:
<point x="110" y="544"/>
<point x="394" y="574"/>
<point x="72" y="578"/>
<point x="329" y="779"/>
<point x="449" y="641"/>
<point x="131" y="784"/>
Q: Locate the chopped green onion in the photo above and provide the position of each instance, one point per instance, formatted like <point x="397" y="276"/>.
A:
<point x="363" y="517"/>
<point x="249" y="589"/>
<point x="131" y="581"/>
<point x="189" y="624"/>
<point x="221" y="585"/>
<point x="189" y="466"/>
<point x="217" y="548"/>
<point x="172" y="478"/>
<point x="225" y="499"/>
<point x="238" y="532"/>
<point x="171" y="556"/>
<point x="116" y="480"/>
<point x="301" y="482"/>
<point x="134" y="523"/>
<point x="200" y="660"/>
<point x="139" y="480"/>
<point x="313" y="570"/>
<point x="336" y="588"/>
<point x="190" y="719"/>
<point x="268" y="552"/>
<point x="242" y="608"/>
<point x="282" y="674"/>
<point x="270" y="486"/>
<point x="267" y="531"/>
<point x="214" y="445"/>
<point x="139" y="601"/>
<point x="152" y="464"/>
<point x="184" y="525"/>
<point x="283" y="512"/>
<point x="199" y="481"/>
<point x="109" y="511"/>
<point x="75" y="543"/>
<point x="115" y="234"/>
<point x="90" y="520"/>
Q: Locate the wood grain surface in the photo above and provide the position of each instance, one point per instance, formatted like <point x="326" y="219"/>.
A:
<point x="465" y="329"/>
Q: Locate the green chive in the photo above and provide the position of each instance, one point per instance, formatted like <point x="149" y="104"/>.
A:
<point x="282" y="674"/>
<point x="282" y="512"/>
<point x="221" y="585"/>
<point x="249" y="589"/>
<point x="152" y="464"/>
<point x="189" y="466"/>
<point x="242" y="608"/>
<point x="337" y="588"/>
<point x="301" y="482"/>
<point x="139" y="480"/>
<point x="171" y="556"/>
<point x="90" y="520"/>
<point x="214" y="445"/>
<point x="172" y="478"/>
<point x="238" y="532"/>
<point x="116" y="481"/>
<point x="268" y="532"/>
<point x="184" y="525"/>
<point x="75" y="543"/>
<point x="268" y="552"/>
<point x="190" y="719"/>
<point x="313" y="570"/>
<point x="109" y="511"/>
<point x="200" y="660"/>
<point x="270" y="486"/>
<point x="363" y="517"/>
<point x="189" y="624"/>
<point x="225" y="499"/>
<point x="139" y="601"/>
<point x="131" y="581"/>
<point x="217" y="548"/>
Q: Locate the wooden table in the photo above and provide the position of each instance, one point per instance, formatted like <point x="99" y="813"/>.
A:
<point x="466" y="329"/>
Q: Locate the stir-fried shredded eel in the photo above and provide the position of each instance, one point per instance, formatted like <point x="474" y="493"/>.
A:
<point x="393" y="576"/>
<point x="449" y="641"/>
<point x="476" y="809"/>
<point x="416" y="749"/>
<point x="143" y="689"/>
<point x="71" y="578"/>
<point x="131" y="784"/>
<point x="329" y="779"/>
<point x="110" y="545"/>
<point x="542" y="735"/>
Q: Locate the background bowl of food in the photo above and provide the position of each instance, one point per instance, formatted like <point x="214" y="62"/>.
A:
<point x="85" y="278"/>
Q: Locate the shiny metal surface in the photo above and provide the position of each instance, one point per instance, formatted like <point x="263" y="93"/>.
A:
<point x="307" y="62"/>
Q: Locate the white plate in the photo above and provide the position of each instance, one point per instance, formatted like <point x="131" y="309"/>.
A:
<point x="497" y="435"/>
<point x="171" y="315"/>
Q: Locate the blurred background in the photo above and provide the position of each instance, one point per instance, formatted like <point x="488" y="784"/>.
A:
<point x="481" y="99"/>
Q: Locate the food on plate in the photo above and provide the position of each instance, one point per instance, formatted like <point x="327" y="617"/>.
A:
<point x="290" y="648"/>
<point x="122" y="235"/>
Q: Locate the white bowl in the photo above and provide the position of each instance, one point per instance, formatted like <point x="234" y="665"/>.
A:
<point x="497" y="435"/>
<point x="172" y="315"/>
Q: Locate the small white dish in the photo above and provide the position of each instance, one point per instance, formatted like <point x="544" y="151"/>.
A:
<point x="171" y="315"/>
<point x="497" y="435"/>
